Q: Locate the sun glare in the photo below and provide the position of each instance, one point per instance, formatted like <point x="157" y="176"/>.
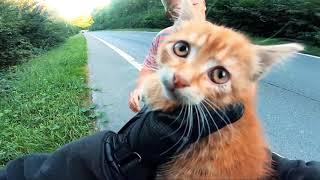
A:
<point x="70" y="9"/>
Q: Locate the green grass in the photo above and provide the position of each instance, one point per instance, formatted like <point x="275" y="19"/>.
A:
<point x="42" y="100"/>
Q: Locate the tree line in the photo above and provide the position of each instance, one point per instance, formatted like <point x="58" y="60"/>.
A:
<point x="28" y="28"/>
<point x="297" y="20"/>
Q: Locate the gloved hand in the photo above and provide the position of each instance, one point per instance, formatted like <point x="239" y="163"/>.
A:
<point x="153" y="137"/>
<point x="295" y="169"/>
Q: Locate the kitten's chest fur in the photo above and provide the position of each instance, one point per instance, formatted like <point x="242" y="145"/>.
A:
<point x="237" y="153"/>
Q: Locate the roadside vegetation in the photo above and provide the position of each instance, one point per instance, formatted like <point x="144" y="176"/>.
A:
<point x="281" y="20"/>
<point x="43" y="101"/>
<point x="28" y="29"/>
<point x="44" y="98"/>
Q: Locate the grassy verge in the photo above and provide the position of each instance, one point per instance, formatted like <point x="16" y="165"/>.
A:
<point x="41" y="101"/>
<point x="309" y="49"/>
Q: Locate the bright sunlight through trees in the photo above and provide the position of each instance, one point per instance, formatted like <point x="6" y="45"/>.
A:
<point x="71" y="9"/>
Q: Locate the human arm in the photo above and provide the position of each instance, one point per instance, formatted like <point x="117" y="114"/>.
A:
<point x="149" y="67"/>
<point x="135" y="95"/>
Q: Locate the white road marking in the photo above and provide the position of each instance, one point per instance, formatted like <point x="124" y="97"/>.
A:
<point x="308" y="55"/>
<point x="126" y="56"/>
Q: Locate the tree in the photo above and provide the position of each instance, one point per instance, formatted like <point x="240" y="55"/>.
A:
<point x="27" y="28"/>
<point x="290" y="19"/>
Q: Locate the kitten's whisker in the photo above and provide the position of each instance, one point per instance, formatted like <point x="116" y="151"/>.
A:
<point x="182" y="136"/>
<point x="211" y="104"/>
<point x="218" y="130"/>
<point x="229" y="125"/>
<point x="224" y="114"/>
<point x="205" y="120"/>
<point x="191" y="121"/>
<point x="176" y="120"/>
<point x="200" y="121"/>
<point x="199" y="124"/>
<point x="183" y="106"/>
<point x="201" y="118"/>
<point x="188" y="126"/>
<point x="204" y="117"/>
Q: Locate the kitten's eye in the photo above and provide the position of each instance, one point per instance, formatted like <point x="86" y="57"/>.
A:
<point x="219" y="75"/>
<point x="181" y="49"/>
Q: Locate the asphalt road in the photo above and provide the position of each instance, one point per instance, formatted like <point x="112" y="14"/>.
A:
<point x="289" y="97"/>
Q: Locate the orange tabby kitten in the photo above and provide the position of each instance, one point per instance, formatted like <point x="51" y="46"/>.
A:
<point x="209" y="66"/>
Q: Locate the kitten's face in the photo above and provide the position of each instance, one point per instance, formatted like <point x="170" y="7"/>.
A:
<point x="204" y="62"/>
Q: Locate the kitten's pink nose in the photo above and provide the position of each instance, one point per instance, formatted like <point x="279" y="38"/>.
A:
<point x="179" y="82"/>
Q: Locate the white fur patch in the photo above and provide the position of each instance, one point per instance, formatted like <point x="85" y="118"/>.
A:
<point x="202" y="40"/>
<point x="166" y="76"/>
<point x="189" y="95"/>
<point x="193" y="53"/>
<point x="192" y="37"/>
<point x="210" y="64"/>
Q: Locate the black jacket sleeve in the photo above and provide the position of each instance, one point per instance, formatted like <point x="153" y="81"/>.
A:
<point x="80" y="160"/>
<point x="86" y="159"/>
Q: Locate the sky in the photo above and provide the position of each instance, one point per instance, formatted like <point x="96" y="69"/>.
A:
<point x="70" y="9"/>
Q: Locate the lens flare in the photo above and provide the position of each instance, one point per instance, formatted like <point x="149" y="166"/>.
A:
<point x="71" y="9"/>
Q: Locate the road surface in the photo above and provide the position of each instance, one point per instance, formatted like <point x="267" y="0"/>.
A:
<point x="289" y="97"/>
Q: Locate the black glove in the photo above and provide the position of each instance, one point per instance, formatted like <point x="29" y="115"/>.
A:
<point x="295" y="169"/>
<point x="153" y="137"/>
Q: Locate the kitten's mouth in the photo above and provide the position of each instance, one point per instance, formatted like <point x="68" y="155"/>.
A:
<point x="178" y="95"/>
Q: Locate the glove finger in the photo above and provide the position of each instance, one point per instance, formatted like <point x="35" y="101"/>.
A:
<point x="313" y="163"/>
<point x="304" y="174"/>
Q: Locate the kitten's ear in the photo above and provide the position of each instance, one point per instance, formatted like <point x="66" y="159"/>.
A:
<point x="270" y="55"/>
<point x="188" y="13"/>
